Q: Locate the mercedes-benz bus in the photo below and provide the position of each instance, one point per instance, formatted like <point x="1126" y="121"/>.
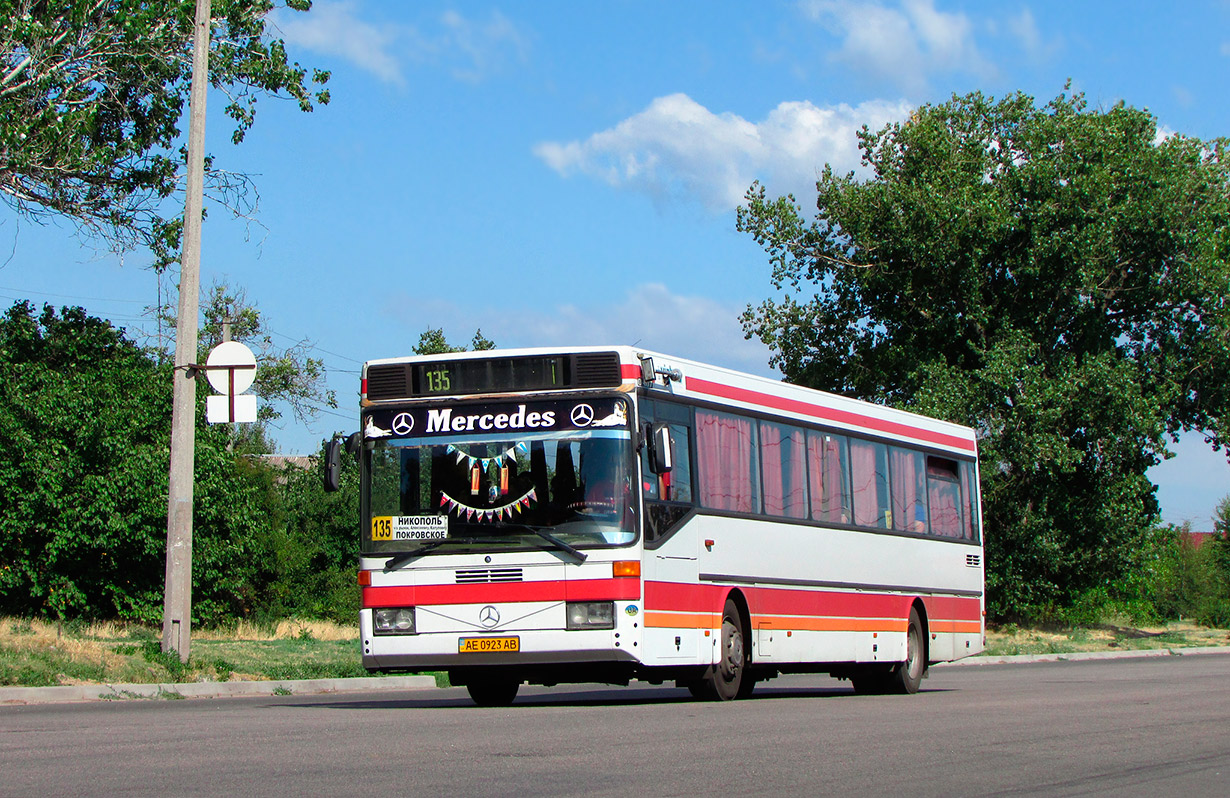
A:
<point x="605" y="514"/>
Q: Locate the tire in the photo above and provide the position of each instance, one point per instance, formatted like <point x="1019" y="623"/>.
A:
<point x="726" y="678"/>
<point x="904" y="677"/>
<point x="700" y="689"/>
<point x="495" y="693"/>
<point x="907" y="676"/>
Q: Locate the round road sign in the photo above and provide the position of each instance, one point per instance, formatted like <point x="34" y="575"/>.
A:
<point x="231" y="353"/>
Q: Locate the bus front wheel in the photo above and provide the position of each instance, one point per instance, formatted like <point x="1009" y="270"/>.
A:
<point x="726" y="679"/>
<point x="494" y="693"/>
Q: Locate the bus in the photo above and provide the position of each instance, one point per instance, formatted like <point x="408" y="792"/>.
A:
<point x="608" y="514"/>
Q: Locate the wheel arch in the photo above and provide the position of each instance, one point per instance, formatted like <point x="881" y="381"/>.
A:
<point x="745" y="614"/>
<point x="921" y="607"/>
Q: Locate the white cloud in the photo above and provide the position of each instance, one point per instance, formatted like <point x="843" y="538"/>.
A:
<point x="482" y="46"/>
<point x="471" y="50"/>
<point x="650" y="316"/>
<point x="677" y="147"/>
<point x="903" y="45"/>
<point x="1025" y="29"/>
<point x="332" y="28"/>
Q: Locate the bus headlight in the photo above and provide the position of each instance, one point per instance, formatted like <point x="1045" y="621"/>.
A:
<point x="591" y="615"/>
<point x="396" y="621"/>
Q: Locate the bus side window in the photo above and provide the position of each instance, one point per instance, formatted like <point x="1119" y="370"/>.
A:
<point x="668" y="497"/>
<point x="869" y="467"/>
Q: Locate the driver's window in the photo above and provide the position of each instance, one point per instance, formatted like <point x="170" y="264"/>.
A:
<point x="668" y="497"/>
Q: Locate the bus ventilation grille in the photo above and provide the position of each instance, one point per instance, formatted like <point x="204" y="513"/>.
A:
<point x="482" y="576"/>
<point x="388" y="382"/>
<point x="597" y="370"/>
<point x="973" y="560"/>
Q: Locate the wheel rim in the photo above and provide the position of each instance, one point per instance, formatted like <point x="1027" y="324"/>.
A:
<point x="913" y="645"/>
<point x="732" y="645"/>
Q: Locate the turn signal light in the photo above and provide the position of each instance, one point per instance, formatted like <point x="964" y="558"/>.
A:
<point x="365" y="578"/>
<point x="626" y="568"/>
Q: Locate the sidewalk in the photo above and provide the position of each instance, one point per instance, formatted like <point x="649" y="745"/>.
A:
<point x="119" y="692"/>
<point x="1076" y="656"/>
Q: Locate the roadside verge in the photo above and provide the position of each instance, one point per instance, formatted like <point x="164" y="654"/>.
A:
<point x="120" y="692"/>
<point x="10" y="696"/>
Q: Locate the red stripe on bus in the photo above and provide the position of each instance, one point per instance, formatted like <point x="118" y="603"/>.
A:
<point x="629" y="371"/>
<point x="826" y="413"/>
<point x="684" y="598"/>
<point x="954" y="608"/>
<point x="618" y="589"/>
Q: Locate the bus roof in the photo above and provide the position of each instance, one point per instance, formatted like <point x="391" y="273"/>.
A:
<point x="716" y="385"/>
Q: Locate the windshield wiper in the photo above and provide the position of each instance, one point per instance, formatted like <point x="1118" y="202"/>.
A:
<point x="559" y="544"/>
<point x="401" y="559"/>
<point x="552" y="539"/>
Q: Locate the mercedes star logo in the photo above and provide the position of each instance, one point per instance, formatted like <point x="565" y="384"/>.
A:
<point x="403" y="423"/>
<point x="489" y="616"/>
<point x="582" y="415"/>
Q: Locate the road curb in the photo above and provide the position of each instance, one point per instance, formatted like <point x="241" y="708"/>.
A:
<point x="122" y="692"/>
<point x="16" y="696"/>
<point x="1078" y="656"/>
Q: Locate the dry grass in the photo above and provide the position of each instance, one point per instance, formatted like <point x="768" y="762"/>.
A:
<point x="1007" y="640"/>
<point x="285" y="630"/>
<point x="36" y="652"/>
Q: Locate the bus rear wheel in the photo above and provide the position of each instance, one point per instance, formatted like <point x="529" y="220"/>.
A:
<point x="494" y="693"/>
<point x="907" y="677"/>
<point x="904" y="677"/>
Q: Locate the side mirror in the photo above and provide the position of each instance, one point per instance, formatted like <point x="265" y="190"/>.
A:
<point x="661" y="449"/>
<point x="648" y="375"/>
<point x="354" y="444"/>
<point x="333" y="465"/>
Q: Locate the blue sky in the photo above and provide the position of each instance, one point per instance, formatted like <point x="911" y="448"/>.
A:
<point x="560" y="172"/>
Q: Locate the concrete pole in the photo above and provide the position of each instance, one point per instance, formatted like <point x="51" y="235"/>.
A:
<point x="177" y="601"/>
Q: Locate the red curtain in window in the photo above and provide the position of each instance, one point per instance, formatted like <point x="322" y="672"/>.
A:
<point x="826" y="480"/>
<point x="909" y="508"/>
<point x="724" y="445"/>
<point x="783" y="463"/>
<point x="945" y="517"/>
<point x="863" y="473"/>
<point x="816" y="475"/>
<point x="795" y="504"/>
<point x="967" y="495"/>
<point x="771" y="465"/>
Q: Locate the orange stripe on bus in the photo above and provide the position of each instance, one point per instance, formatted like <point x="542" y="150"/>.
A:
<point x="966" y="627"/>
<point x="683" y="620"/>
<point x="796" y="624"/>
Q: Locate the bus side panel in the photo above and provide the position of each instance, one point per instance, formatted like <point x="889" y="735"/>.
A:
<point x="828" y="595"/>
<point x="678" y="611"/>
<point x="956" y="627"/>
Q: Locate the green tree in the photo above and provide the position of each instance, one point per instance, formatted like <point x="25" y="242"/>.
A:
<point x="85" y="427"/>
<point x="316" y="550"/>
<point x="433" y="342"/>
<point x="288" y="375"/>
<point x="91" y="97"/>
<point x="1055" y="277"/>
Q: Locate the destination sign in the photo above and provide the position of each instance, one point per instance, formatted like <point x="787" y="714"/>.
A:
<point x="518" y="417"/>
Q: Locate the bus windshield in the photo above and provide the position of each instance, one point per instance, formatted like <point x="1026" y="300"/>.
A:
<point x="500" y="491"/>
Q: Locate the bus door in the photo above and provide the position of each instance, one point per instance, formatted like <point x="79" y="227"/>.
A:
<point x="675" y="615"/>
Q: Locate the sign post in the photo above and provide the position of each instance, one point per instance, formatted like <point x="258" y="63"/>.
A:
<point x="177" y="600"/>
<point x="230" y="369"/>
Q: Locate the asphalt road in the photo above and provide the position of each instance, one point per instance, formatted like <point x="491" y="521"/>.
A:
<point x="1123" y="727"/>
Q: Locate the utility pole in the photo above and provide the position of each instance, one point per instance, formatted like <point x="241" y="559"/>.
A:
<point x="177" y="601"/>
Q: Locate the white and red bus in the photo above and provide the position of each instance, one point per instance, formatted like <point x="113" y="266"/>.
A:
<point x="604" y="514"/>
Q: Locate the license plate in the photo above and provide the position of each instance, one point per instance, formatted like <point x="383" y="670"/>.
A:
<point x="483" y="645"/>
